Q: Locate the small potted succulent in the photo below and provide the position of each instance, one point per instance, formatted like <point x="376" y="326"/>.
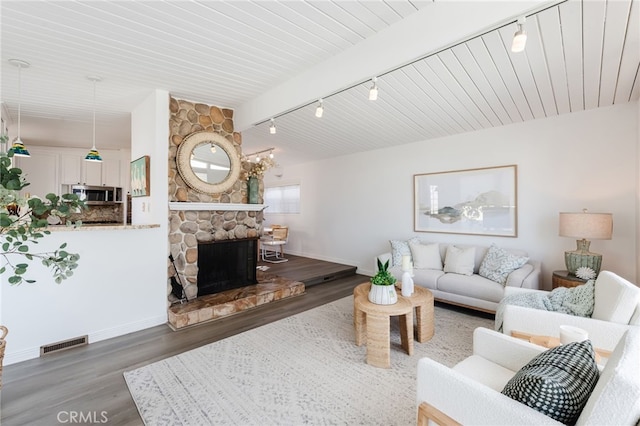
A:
<point x="383" y="290"/>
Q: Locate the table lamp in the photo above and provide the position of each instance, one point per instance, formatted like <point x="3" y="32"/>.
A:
<point x="595" y="226"/>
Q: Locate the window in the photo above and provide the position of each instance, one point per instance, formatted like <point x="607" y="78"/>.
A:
<point x="282" y="199"/>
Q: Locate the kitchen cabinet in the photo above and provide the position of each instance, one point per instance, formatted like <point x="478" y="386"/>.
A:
<point x="74" y="169"/>
<point x="41" y="171"/>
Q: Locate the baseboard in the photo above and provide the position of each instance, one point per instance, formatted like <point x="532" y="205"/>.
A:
<point x="127" y="328"/>
<point x="31" y="353"/>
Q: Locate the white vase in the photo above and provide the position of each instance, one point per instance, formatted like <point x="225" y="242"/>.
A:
<point x="407" y="284"/>
<point x="383" y="294"/>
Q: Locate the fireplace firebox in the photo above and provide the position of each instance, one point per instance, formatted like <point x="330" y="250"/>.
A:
<point x="227" y="264"/>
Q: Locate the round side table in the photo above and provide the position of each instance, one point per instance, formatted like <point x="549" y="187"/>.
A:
<point x="565" y="279"/>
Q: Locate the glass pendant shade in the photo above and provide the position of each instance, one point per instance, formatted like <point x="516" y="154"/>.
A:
<point x="93" y="155"/>
<point x="18" y="149"/>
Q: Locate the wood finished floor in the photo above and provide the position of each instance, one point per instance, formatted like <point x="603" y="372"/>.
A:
<point x="89" y="379"/>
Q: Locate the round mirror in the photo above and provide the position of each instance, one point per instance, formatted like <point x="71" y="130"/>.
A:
<point x="208" y="162"/>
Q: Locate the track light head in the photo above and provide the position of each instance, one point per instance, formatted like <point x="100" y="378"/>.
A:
<point x="373" y="92"/>
<point x="520" y="37"/>
<point x="272" y="127"/>
<point x="319" y="109"/>
<point x="271" y="154"/>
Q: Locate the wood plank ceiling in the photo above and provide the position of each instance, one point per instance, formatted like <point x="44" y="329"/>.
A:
<point x="579" y="55"/>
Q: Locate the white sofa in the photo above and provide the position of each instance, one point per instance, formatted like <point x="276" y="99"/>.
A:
<point x="473" y="291"/>
<point x="469" y="393"/>
<point x="616" y="309"/>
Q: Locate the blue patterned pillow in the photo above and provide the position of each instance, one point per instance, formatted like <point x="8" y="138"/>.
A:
<point x="498" y="264"/>
<point x="401" y="248"/>
<point x="558" y="382"/>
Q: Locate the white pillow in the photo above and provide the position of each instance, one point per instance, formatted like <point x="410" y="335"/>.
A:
<point x="459" y="260"/>
<point x="615" y="298"/>
<point x="426" y="256"/>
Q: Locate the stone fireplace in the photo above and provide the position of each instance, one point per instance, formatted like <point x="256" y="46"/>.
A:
<point x="207" y="218"/>
<point x="204" y="227"/>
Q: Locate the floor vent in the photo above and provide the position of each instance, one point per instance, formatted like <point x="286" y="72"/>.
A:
<point x="64" y="345"/>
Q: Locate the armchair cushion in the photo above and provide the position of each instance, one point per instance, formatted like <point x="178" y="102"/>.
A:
<point x="615" y="298"/>
<point x="557" y="382"/>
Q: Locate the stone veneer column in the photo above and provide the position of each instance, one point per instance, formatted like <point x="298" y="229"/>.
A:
<point x="187" y="228"/>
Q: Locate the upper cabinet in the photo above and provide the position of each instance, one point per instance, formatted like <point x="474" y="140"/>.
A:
<point x="41" y="170"/>
<point x="48" y="168"/>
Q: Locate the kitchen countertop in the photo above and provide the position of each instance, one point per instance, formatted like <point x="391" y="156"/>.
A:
<point x="100" y="227"/>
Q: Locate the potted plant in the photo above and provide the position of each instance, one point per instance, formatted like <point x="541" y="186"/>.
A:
<point x="383" y="290"/>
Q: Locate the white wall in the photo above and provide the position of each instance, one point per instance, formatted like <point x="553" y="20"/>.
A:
<point x="352" y="206"/>
<point x="120" y="285"/>
<point x="150" y="136"/>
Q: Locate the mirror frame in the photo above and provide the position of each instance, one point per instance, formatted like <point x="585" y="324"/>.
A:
<point x="183" y="161"/>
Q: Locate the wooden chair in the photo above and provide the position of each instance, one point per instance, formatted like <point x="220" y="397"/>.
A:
<point x="272" y="246"/>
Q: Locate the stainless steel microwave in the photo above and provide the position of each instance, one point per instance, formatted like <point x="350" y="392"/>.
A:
<point x="97" y="195"/>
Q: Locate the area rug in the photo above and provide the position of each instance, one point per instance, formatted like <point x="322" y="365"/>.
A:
<point x="304" y="369"/>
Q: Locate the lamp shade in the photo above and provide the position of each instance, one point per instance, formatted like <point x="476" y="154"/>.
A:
<point x="592" y="226"/>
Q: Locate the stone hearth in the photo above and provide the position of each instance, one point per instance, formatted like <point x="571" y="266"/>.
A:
<point x="230" y="302"/>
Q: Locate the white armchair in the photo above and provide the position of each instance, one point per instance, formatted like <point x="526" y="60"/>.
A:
<point x="469" y="393"/>
<point x="616" y="309"/>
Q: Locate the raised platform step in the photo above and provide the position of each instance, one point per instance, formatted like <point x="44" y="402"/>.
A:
<point x="279" y="281"/>
<point x="220" y="305"/>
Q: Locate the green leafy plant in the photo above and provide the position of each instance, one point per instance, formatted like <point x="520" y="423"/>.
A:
<point x="383" y="277"/>
<point x="23" y="223"/>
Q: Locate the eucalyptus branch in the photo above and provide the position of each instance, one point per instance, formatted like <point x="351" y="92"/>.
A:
<point x="23" y="223"/>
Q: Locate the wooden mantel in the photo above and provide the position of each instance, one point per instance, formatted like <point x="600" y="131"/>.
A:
<point x="179" y="205"/>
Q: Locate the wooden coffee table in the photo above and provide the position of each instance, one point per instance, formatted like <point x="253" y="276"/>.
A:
<point x="421" y="300"/>
<point x="378" y="323"/>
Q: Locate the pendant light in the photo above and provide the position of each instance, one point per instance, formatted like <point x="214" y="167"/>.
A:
<point x="373" y="92"/>
<point x="93" y="154"/>
<point x="18" y="148"/>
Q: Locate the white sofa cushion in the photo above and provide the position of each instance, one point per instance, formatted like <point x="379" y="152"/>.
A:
<point x="426" y="256"/>
<point x="615" y="298"/>
<point x="616" y="398"/>
<point x="473" y="286"/>
<point x="485" y="371"/>
<point x="498" y="264"/>
<point x="459" y="260"/>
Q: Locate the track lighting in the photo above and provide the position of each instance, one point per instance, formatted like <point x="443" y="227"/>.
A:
<point x="272" y="128"/>
<point x="319" y="109"/>
<point x="257" y="155"/>
<point x="520" y="37"/>
<point x="18" y="148"/>
<point x="93" y="154"/>
<point x="373" y="92"/>
<point x="213" y="148"/>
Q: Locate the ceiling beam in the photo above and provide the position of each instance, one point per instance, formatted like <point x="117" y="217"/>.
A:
<point x="431" y="29"/>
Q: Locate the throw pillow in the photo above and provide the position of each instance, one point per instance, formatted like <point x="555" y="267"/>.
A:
<point x="400" y="248"/>
<point x="498" y="264"/>
<point x="558" y="382"/>
<point x="426" y="256"/>
<point x="460" y="260"/>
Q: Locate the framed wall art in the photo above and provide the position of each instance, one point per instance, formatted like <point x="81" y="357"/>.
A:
<point x="475" y="201"/>
<point x="140" y="185"/>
